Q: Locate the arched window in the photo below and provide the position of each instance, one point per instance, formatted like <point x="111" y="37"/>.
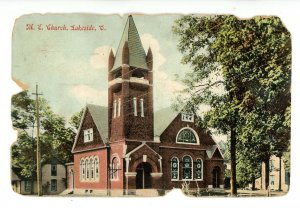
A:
<point x="115" y="108"/>
<point x="118" y="74"/>
<point x="138" y="74"/>
<point x="82" y="170"/>
<point x="199" y="169"/>
<point x="134" y="107"/>
<point x="87" y="169"/>
<point x="187" y="135"/>
<point x="96" y="167"/>
<point x="142" y="107"/>
<point x="174" y="168"/>
<point x="92" y="168"/>
<point x="119" y="107"/>
<point x="114" y="168"/>
<point x="187" y="168"/>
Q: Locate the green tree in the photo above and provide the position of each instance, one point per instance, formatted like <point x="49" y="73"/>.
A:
<point x="248" y="164"/>
<point x="56" y="137"/>
<point x="22" y="113"/>
<point x="75" y="120"/>
<point x="241" y="69"/>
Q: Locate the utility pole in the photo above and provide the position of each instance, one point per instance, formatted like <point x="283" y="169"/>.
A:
<point x="38" y="147"/>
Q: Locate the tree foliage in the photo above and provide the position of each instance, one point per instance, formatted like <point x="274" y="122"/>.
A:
<point x="55" y="135"/>
<point x="75" y="120"/>
<point x="241" y="69"/>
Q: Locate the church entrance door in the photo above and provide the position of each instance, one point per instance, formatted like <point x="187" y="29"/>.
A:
<point x="143" y="177"/>
<point x="216" y="177"/>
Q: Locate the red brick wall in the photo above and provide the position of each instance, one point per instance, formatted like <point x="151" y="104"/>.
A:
<point x="117" y="127"/>
<point x="102" y="183"/>
<point x="168" y="140"/>
<point x="117" y="149"/>
<point x="127" y="125"/>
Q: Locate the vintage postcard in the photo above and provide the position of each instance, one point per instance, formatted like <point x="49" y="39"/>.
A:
<point x="138" y="105"/>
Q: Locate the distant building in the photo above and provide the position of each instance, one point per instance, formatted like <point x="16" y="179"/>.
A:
<point x="274" y="175"/>
<point x="53" y="181"/>
<point x="127" y="147"/>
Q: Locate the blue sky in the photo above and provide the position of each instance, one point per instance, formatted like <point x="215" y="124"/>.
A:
<point x="70" y="67"/>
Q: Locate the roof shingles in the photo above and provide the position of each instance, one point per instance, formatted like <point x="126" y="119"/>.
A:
<point x="137" y="55"/>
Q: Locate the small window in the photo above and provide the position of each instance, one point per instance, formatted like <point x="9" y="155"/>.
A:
<point x="53" y="170"/>
<point x="174" y="168"/>
<point x="134" y="106"/>
<point x="53" y="185"/>
<point x="88" y="135"/>
<point x="187" y="135"/>
<point x="187" y="168"/>
<point x="272" y="180"/>
<point x="27" y="186"/>
<point x="271" y="165"/>
<point x="142" y="107"/>
<point x="119" y="107"/>
<point x="115" y="109"/>
<point x="188" y="117"/>
<point x="199" y="169"/>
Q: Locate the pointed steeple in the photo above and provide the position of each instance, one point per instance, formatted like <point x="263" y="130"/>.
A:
<point x="136" y="56"/>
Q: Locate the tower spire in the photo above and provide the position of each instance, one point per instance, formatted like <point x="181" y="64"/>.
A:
<point x="136" y="54"/>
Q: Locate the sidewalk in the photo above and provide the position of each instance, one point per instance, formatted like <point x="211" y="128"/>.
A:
<point x="257" y="193"/>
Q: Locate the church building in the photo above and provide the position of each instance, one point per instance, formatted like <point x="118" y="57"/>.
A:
<point x="127" y="147"/>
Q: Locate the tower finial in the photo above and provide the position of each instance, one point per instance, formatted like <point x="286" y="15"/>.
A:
<point x="111" y="59"/>
<point x="149" y="59"/>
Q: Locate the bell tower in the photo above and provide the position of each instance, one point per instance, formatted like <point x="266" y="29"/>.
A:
<point x="130" y="90"/>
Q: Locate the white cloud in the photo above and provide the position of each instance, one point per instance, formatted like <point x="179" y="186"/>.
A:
<point x="100" y="58"/>
<point x="149" y="41"/>
<point x="164" y="87"/>
<point x="86" y="94"/>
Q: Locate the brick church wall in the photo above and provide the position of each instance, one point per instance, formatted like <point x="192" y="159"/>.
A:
<point x="102" y="183"/>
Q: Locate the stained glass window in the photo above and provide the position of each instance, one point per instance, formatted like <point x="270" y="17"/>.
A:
<point x="186" y="136"/>
<point x="87" y="169"/>
<point x="187" y="167"/>
<point x="199" y="169"/>
<point x="92" y="168"/>
<point x="96" y="168"/>
<point x="82" y="167"/>
<point x="174" y="168"/>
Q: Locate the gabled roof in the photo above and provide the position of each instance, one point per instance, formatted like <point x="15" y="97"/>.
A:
<point x="100" y="118"/>
<point x="162" y="119"/>
<point x="146" y="146"/>
<point x="99" y="115"/>
<point x="137" y="55"/>
<point x="210" y="153"/>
